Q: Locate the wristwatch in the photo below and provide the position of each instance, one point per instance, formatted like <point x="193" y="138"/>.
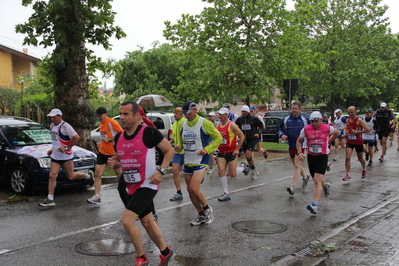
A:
<point x="162" y="170"/>
<point x="299" y="152"/>
<point x="109" y="139"/>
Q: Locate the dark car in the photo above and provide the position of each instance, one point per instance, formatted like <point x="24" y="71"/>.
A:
<point x="280" y="113"/>
<point x="24" y="162"/>
<point x="270" y="134"/>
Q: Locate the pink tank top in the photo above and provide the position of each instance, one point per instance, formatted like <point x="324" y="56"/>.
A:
<point x="317" y="139"/>
<point x="138" y="162"/>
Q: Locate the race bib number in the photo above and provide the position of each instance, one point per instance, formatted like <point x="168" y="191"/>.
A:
<point x="189" y="145"/>
<point x="131" y="176"/>
<point x="224" y="141"/>
<point x="352" y="136"/>
<point x="315" y="149"/>
<point x="103" y="135"/>
<point x="246" y="127"/>
<point x="53" y="135"/>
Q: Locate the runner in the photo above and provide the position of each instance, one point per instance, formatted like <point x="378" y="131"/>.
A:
<point x="178" y="158"/>
<point x="212" y="118"/>
<point x="63" y="138"/>
<point x="232" y="116"/>
<point x="228" y="151"/>
<point x="289" y="128"/>
<point x="199" y="138"/>
<point x="370" y="138"/>
<point x="250" y="126"/>
<point x="355" y="127"/>
<point x="108" y="129"/>
<point x="383" y="117"/>
<point x="135" y="153"/>
<point x="254" y="112"/>
<point x="318" y="137"/>
<point x="339" y="124"/>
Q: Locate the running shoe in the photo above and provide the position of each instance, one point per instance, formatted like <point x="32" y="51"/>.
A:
<point x="254" y="174"/>
<point x="363" y="173"/>
<point x="91" y="177"/>
<point x="335" y="159"/>
<point x="381" y="159"/>
<point x="246" y="168"/>
<point x="367" y="156"/>
<point x="291" y="190"/>
<point x="327" y="188"/>
<point x="199" y="220"/>
<point x="210" y="171"/>
<point x="176" y="197"/>
<point x="305" y="181"/>
<point x="370" y="163"/>
<point x="347" y="178"/>
<point x="142" y="261"/>
<point x="94" y="200"/>
<point x="47" y="203"/>
<point x="208" y="215"/>
<point x="265" y="154"/>
<point x="390" y="143"/>
<point x="224" y="197"/>
<point x="155" y="217"/>
<point x="328" y="167"/>
<point x="165" y="259"/>
<point x="376" y="149"/>
<point x="312" y="207"/>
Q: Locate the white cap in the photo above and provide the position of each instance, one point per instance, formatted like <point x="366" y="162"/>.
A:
<point x="338" y="111"/>
<point x="245" y="108"/>
<point x="212" y="114"/>
<point x="316" y="115"/>
<point x="383" y="105"/>
<point x="55" y="112"/>
<point x="223" y="111"/>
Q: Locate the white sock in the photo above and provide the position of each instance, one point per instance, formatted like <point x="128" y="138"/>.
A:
<point x="97" y="195"/>
<point x="223" y="180"/>
<point x="50" y="197"/>
<point x="239" y="170"/>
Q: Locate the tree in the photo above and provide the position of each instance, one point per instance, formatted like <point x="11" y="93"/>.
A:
<point x="8" y="98"/>
<point x="68" y="25"/>
<point x="155" y="71"/>
<point x="347" y="39"/>
<point x="235" y="48"/>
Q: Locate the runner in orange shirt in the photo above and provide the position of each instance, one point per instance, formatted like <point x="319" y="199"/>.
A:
<point x="108" y="129"/>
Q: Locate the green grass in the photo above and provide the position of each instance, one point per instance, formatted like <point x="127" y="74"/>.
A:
<point x="274" y="146"/>
<point x="108" y="172"/>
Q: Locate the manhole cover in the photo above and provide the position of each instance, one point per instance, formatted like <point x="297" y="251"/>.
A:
<point x="259" y="227"/>
<point x="105" y="247"/>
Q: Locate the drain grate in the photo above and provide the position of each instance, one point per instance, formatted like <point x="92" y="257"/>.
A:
<point x="259" y="227"/>
<point x="105" y="247"/>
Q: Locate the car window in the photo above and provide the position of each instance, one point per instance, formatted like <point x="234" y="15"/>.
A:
<point x="27" y="134"/>
<point x="158" y="122"/>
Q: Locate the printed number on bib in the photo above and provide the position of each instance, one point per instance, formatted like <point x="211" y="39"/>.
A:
<point x="189" y="145"/>
<point x="224" y="141"/>
<point x="53" y="135"/>
<point x="315" y="148"/>
<point x="352" y="136"/>
<point x="131" y="176"/>
<point x="246" y="127"/>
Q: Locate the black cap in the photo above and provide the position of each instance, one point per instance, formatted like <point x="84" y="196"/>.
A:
<point x="369" y="110"/>
<point x="188" y="107"/>
<point x="226" y="106"/>
<point x="100" y="111"/>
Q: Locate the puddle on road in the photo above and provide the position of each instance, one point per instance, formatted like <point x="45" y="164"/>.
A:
<point x="259" y="227"/>
<point x="105" y="247"/>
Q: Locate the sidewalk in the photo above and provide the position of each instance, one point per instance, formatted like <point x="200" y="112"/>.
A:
<point x="369" y="239"/>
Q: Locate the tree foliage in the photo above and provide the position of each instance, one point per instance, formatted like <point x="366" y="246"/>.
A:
<point x="347" y="39"/>
<point x="69" y="25"/>
<point x="235" y="48"/>
<point x="8" y="98"/>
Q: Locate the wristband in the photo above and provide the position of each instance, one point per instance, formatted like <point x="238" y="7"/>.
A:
<point x="299" y="152"/>
<point x="109" y="139"/>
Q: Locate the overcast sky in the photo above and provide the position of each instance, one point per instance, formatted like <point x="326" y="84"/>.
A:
<point x="142" y="21"/>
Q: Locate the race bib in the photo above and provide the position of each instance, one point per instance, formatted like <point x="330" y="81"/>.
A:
<point x="131" y="176"/>
<point x="315" y="148"/>
<point x="352" y="136"/>
<point x="246" y="127"/>
<point x="224" y="141"/>
<point x="53" y="135"/>
<point x="103" y="135"/>
<point x="189" y="145"/>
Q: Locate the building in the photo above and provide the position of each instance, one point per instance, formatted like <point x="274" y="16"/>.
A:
<point x="15" y="67"/>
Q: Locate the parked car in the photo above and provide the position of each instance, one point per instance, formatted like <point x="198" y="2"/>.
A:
<point x="270" y="134"/>
<point x="163" y="122"/>
<point x="24" y="162"/>
<point x="280" y="113"/>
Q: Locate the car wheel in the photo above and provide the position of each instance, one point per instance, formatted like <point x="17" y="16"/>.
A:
<point x="158" y="156"/>
<point x="20" y="181"/>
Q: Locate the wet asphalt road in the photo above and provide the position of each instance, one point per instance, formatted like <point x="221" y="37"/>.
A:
<point x="31" y="235"/>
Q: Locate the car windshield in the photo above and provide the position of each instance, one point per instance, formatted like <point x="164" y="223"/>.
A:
<point x="24" y="135"/>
